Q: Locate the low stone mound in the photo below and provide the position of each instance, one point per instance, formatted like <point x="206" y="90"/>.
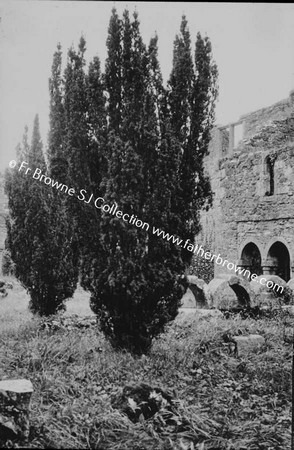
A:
<point x="15" y="398"/>
<point x="245" y="345"/>
<point x="197" y="295"/>
<point x="270" y="297"/>
<point x="291" y="284"/>
<point x="230" y="292"/>
<point x="67" y="323"/>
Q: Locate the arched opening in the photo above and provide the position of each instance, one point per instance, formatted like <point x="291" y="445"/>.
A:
<point x="199" y="296"/>
<point x="242" y="295"/>
<point x="279" y="260"/>
<point x="269" y="176"/>
<point x="251" y="258"/>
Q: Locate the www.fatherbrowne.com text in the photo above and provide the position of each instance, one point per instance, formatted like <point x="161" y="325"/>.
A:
<point x="113" y="209"/>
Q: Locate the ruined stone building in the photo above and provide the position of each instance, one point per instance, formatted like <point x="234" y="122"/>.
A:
<point x="251" y="222"/>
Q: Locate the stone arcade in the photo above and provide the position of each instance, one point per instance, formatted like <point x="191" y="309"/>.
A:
<point x="251" y="222"/>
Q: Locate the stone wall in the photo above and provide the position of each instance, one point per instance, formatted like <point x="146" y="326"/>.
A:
<point x="253" y="121"/>
<point x="243" y="211"/>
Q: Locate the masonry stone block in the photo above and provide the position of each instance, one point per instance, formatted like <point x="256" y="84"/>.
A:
<point x="244" y="208"/>
<point x="291" y="284"/>
<point x="245" y="345"/>
<point x="264" y="295"/>
<point x="15" y="396"/>
<point x="230" y="292"/>
<point x="197" y="294"/>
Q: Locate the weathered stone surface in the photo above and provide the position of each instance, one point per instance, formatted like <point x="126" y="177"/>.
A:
<point x="188" y="300"/>
<point x="264" y="295"/>
<point x="291" y="284"/>
<point x="8" y="428"/>
<point x="15" y="398"/>
<point x="21" y="386"/>
<point x="230" y="292"/>
<point x="197" y="295"/>
<point x="244" y="210"/>
<point x="248" y="344"/>
<point x="222" y="295"/>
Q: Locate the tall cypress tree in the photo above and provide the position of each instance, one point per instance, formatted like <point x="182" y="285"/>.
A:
<point x="61" y="223"/>
<point x="56" y="153"/>
<point x="37" y="232"/>
<point x="97" y="162"/>
<point x="76" y="117"/>
<point x="77" y="140"/>
<point x="97" y="123"/>
<point x="113" y="71"/>
<point x="204" y="96"/>
<point x="136" y="284"/>
<point x="192" y="96"/>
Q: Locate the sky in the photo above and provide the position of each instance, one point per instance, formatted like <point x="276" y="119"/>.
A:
<point x="253" y="46"/>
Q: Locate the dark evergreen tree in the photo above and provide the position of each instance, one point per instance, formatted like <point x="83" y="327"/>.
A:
<point x="204" y="96"/>
<point x="36" y="233"/>
<point x="136" y="278"/>
<point x="61" y="222"/>
<point x="97" y="124"/>
<point x="58" y="165"/>
<point x="91" y="245"/>
<point x="76" y="118"/>
<point x="113" y="71"/>
<point x="192" y="96"/>
<point x="78" y="141"/>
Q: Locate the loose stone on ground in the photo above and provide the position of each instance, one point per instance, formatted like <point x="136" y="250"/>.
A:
<point x="15" y="396"/>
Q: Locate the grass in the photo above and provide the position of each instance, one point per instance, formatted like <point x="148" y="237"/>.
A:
<point x="14" y="310"/>
<point x="223" y="402"/>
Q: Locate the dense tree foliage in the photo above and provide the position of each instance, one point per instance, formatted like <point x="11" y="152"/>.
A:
<point x="191" y="95"/>
<point x="37" y="233"/>
<point x="136" y="277"/>
<point x="123" y="137"/>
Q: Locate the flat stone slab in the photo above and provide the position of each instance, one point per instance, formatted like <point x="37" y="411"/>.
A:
<point x="19" y="386"/>
<point x="248" y="344"/>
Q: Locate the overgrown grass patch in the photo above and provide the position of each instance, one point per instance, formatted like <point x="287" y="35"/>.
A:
<point x="224" y="401"/>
